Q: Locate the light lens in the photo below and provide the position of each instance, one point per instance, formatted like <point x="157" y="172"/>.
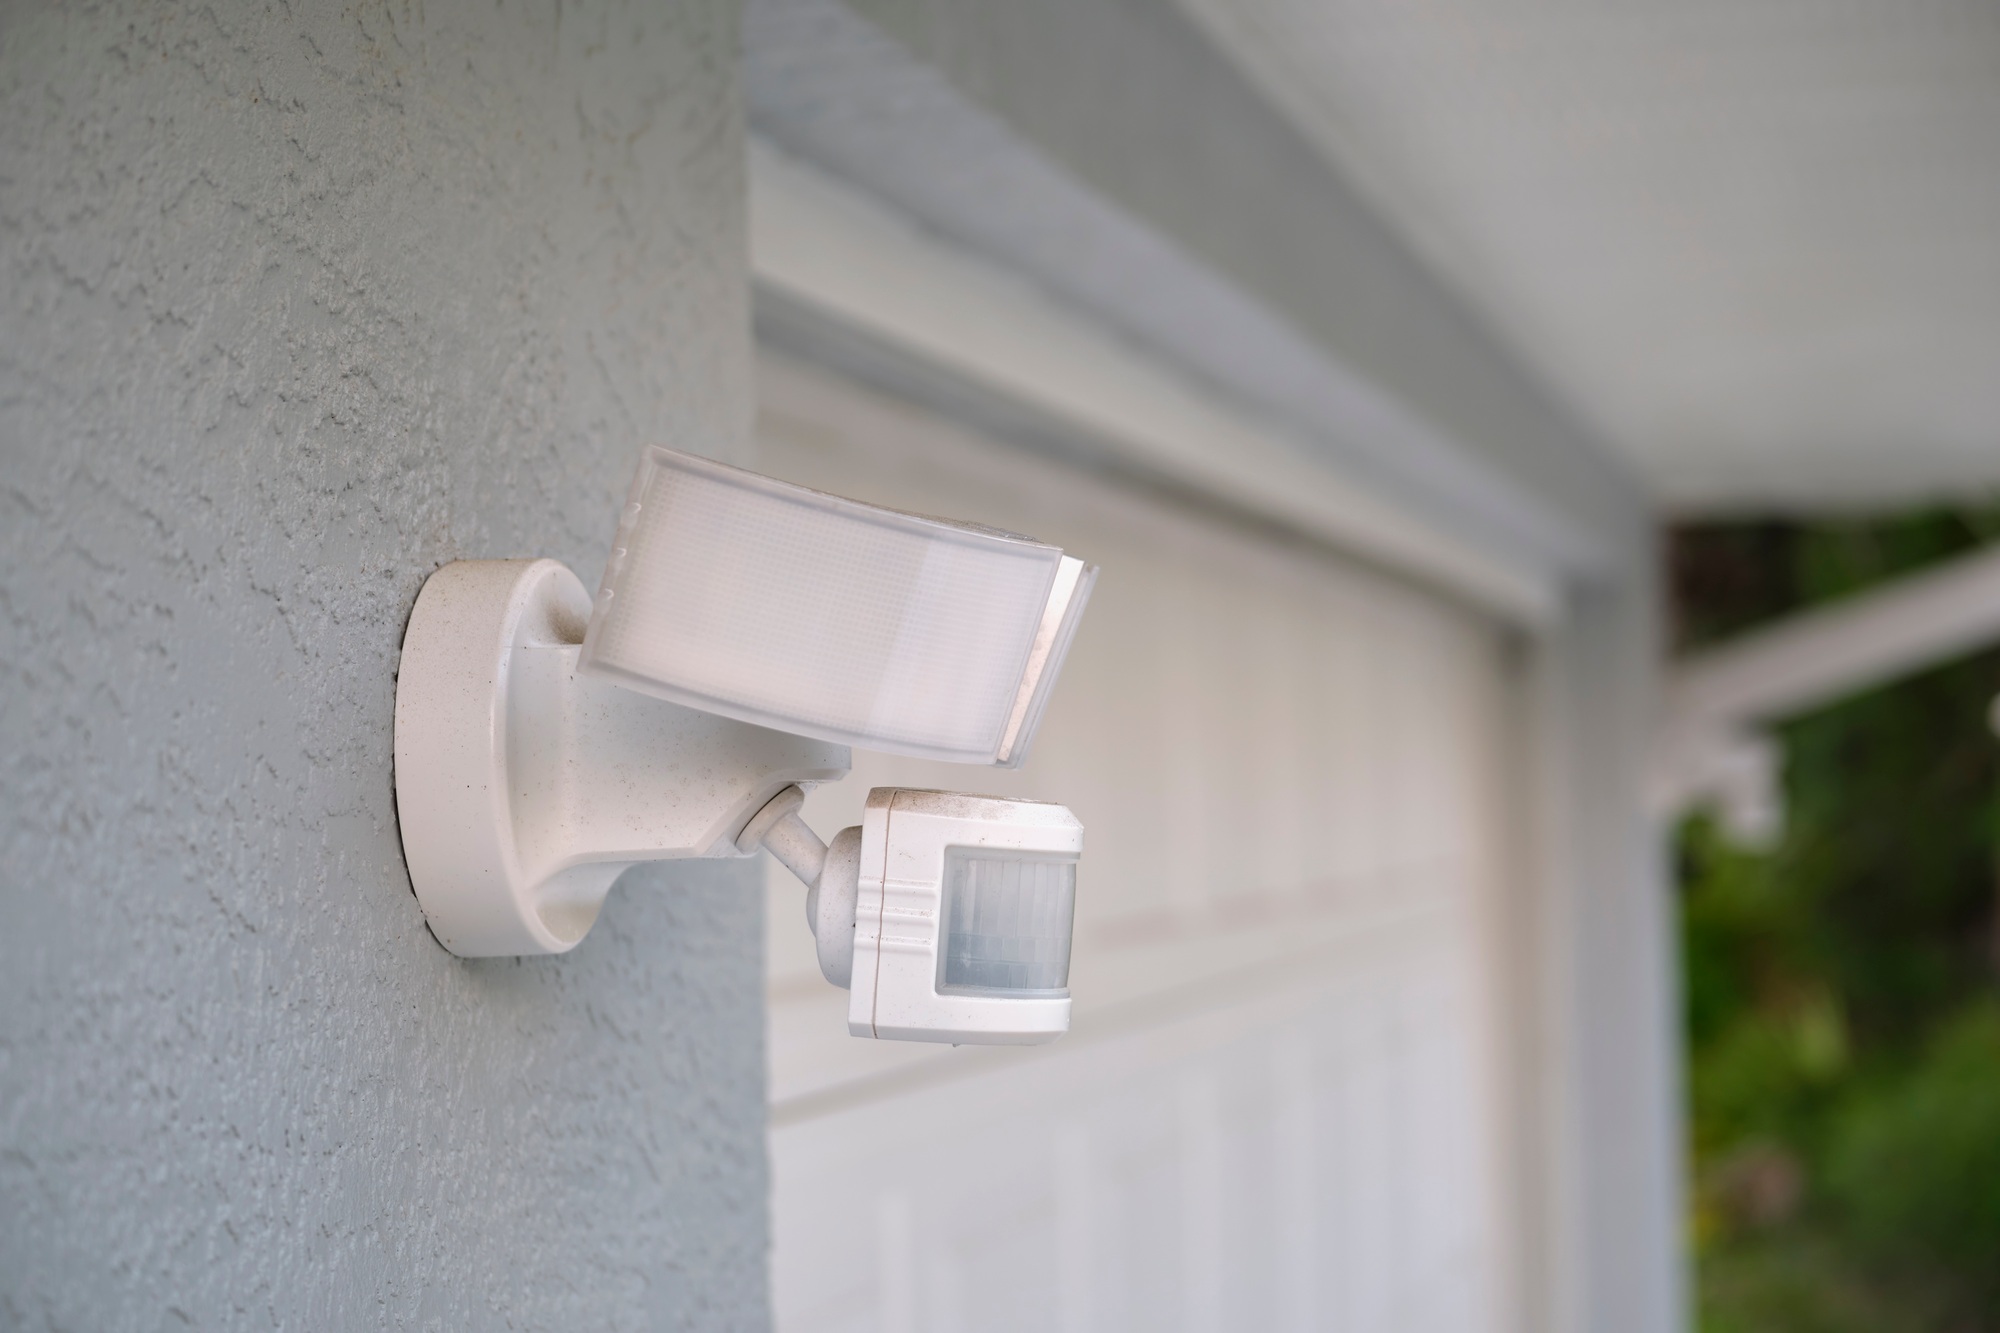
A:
<point x="790" y="608"/>
<point x="1007" y="921"/>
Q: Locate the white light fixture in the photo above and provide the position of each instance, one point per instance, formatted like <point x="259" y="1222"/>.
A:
<point x="774" y="625"/>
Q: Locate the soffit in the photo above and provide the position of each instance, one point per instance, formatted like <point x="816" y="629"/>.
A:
<point x="1756" y="242"/>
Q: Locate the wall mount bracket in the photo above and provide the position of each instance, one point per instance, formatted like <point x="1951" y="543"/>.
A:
<point x="523" y="789"/>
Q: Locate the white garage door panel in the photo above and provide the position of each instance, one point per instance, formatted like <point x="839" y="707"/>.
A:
<point x="1275" y="1106"/>
<point x="1299" y="1161"/>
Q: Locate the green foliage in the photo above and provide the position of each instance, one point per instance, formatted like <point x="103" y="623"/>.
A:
<point x="1916" y="1163"/>
<point x="1800" y="1281"/>
<point x="1843" y="1036"/>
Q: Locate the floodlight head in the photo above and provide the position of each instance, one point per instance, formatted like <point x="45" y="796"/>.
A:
<point x="789" y="608"/>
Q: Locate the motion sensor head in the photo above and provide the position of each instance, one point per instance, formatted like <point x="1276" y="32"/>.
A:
<point x="946" y="916"/>
<point x="963" y="913"/>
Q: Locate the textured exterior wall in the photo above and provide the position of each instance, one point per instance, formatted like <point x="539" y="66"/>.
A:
<point x="298" y="306"/>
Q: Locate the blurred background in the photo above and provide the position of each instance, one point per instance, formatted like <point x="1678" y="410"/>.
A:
<point x="1843" y="1007"/>
<point x="1569" y="911"/>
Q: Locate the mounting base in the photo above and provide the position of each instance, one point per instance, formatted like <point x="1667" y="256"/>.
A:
<point x="523" y="790"/>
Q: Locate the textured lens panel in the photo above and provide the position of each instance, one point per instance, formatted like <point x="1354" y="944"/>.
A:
<point x="794" y="609"/>
<point x="1007" y="921"/>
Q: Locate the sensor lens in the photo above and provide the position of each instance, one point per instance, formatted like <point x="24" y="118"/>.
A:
<point x="1007" y="921"/>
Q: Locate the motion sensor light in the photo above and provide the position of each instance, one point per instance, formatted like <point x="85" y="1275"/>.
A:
<point x="747" y="632"/>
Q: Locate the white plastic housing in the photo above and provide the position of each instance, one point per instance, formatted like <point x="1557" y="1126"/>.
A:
<point x="962" y="918"/>
<point x="830" y="908"/>
<point x="790" y="608"/>
<point x="523" y="789"/>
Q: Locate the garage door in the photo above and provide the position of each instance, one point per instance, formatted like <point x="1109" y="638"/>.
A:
<point x="1278" y="1105"/>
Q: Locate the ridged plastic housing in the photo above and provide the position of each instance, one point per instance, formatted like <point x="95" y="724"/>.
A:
<point x="789" y="608"/>
<point x="997" y="874"/>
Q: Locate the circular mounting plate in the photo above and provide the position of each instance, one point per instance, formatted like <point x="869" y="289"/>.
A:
<point x="523" y="790"/>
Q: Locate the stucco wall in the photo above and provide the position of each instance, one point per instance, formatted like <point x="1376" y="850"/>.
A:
<point x="298" y="306"/>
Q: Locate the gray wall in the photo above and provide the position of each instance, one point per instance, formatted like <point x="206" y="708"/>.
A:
<point x="299" y="306"/>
